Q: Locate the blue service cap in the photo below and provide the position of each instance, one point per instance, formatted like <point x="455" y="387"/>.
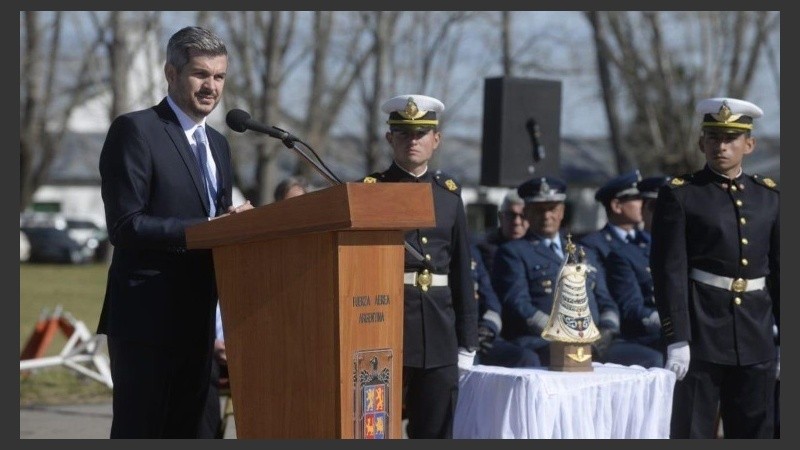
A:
<point x="649" y="186"/>
<point x="621" y="186"/>
<point x="543" y="189"/>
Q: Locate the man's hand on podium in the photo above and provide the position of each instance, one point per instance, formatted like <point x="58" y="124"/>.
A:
<point x="235" y="209"/>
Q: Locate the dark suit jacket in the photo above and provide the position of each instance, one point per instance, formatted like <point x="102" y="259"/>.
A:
<point x="158" y="291"/>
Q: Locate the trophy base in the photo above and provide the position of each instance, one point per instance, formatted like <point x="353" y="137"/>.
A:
<point x="567" y="357"/>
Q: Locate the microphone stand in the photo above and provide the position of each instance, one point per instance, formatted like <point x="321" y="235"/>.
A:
<point x="334" y="180"/>
<point x="325" y="172"/>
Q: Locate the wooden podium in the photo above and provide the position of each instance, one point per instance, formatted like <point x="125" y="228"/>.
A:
<point x="311" y="294"/>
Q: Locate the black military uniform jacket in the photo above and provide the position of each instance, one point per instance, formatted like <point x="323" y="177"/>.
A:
<point x="444" y="318"/>
<point x="730" y="229"/>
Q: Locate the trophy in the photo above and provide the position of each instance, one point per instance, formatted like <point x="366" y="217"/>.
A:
<point x="570" y="328"/>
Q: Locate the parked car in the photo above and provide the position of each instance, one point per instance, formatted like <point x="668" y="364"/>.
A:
<point x="87" y="233"/>
<point x="53" y="245"/>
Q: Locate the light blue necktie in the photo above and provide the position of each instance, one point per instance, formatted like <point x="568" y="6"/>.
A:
<point x="555" y="247"/>
<point x="201" y="147"/>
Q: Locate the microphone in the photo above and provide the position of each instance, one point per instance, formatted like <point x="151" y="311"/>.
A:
<point x="241" y="121"/>
<point x="533" y="131"/>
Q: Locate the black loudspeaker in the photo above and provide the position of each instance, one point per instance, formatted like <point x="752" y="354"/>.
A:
<point x="521" y="130"/>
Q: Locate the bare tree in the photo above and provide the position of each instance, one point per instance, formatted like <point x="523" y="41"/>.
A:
<point x="651" y="80"/>
<point x="259" y="44"/>
<point x="55" y="77"/>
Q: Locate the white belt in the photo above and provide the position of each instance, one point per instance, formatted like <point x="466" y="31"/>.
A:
<point x="424" y="279"/>
<point x="732" y="284"/>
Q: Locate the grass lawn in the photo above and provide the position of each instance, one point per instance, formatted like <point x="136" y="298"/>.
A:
<point x="78" y="290"/>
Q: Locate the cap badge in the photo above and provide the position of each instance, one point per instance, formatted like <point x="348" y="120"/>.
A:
<point x="677" y="181"/>
<point x="451" y="185"/>
<point x="412" y="111"/>
<point x="544" y="187"/>
<point x="370" y="180"/>
<point x="724" y="115"/>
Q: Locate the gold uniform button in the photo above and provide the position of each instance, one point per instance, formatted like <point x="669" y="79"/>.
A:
<point x="745" y="241"/>
<point x="744" y="261"/>
<point x="742" y="221"/>
<point x="428" y="257"/>
<point x="424" y="240"/>
<point x="733" y="187"/>
<point x="737" y="300"/>
<point x="739" y="203"/>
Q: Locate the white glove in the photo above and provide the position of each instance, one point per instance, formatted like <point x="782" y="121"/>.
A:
<point x="652" y="322"/>
<point x="465" y="360"/>
<point x="678" y="357"/>
<point x="778" y="368"/>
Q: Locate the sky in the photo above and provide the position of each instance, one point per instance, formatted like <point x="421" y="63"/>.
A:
<point x="581" y="104"/>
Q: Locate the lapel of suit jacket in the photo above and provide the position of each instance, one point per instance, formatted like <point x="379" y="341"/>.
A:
<point x="173" y="129"/>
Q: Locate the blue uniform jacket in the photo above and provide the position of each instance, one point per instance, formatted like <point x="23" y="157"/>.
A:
<point x="489" y="308"/>
<point x="524" y="276"/>
<point x="631" y="285"/>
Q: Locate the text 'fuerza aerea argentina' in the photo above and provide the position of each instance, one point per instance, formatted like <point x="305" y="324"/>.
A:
<point x="360" y="301"/>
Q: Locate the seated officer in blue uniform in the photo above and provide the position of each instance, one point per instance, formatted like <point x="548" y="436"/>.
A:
<point x="631" y="285"/>
<point x="440" y="320"/>
<point x="622" y="202"/>
<point x="525" y="271"/>
<point x="494" y="350"/>
<point x="716" y="269"/>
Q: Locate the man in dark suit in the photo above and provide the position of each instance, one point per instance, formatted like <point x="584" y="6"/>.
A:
<point x="716" y="271"/>
<point x="440" y="312"/>
<point x="164" y="169"/>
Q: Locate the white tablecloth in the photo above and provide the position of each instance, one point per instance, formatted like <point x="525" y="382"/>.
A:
<point x="613" y="401"/>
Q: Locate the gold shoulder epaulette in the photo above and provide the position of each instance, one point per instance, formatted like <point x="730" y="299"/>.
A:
<point x="682" y="180"/>
<point x="444" y="180"/>
<point x="766" y="181"/>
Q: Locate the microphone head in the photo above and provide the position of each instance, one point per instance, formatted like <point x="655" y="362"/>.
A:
<point x="237" y="120"/>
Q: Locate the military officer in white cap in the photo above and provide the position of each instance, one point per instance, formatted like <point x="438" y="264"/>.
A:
<point x="440" y="329"/>
<point x="715" y="260"/>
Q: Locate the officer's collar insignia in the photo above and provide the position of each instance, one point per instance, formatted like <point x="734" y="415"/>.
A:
<point x="677" y="181"/>
<point x="412" y="111"/>
<point x="451" y="185"/>
<point x="370" y="180"/>
<point x="724" y="115"/>
<point x="769" y="182"/>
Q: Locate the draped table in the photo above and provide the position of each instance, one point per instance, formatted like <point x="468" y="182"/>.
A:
<point x="612" y="402"/>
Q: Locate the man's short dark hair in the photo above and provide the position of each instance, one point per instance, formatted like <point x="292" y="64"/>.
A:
<point x="197" y="39"/>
